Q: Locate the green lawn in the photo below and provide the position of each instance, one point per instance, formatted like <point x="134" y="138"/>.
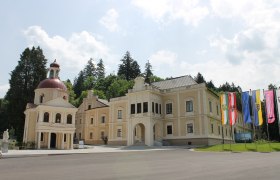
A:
<point x="242" y="147"/>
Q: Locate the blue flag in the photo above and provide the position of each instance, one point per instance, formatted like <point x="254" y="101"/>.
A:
<point x="246" y="107"/>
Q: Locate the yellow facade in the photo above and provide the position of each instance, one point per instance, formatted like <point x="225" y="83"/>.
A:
<point x="150" y="115"/>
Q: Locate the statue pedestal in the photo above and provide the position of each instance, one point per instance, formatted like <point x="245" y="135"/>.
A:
<point x="4" y="147"/>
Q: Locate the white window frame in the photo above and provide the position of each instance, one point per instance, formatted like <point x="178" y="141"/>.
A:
<point x="169" y="124"/>
<point x="210" y="107"/>
<point x="169" y="102"/>
<point x="101" y="119"/>
<point x="192" y="123"/>
<point x="119" y="128"/>
<point x="120" y="114"/>
<point x="190" y="105"/>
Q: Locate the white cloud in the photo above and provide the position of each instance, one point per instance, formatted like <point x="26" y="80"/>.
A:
<point x="252" y="52"/>
<point x="249" y="74"/>
<point x="71" y="53"/>
<point x="3" y="89"/>
<point x="109" y="21"/>
<point x="164" y="11"/>
<point x="163" y="58"/>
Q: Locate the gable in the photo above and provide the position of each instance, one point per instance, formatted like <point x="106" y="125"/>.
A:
<point x="59" y="102"/>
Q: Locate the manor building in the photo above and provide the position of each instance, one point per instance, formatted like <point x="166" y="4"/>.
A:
<point x="177" y="111"/>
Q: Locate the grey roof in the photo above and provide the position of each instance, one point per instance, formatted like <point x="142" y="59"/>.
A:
<point x="103" y="101"/>
<point x="175" y="82"/>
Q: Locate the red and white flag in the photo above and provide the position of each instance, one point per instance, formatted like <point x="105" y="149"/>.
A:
<point x="232" y="110"/>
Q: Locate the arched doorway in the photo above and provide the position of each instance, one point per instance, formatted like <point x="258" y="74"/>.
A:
<point x="139" y="134"/>
<point x="53" y="140"/>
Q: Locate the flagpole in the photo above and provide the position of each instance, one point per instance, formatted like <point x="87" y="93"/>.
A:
<point x="222" y="128"/>
<point x="253" y="121"/>
<point x="230" y="135"/>
<point x="240" y="91"/>
<point x="268" y="139"/>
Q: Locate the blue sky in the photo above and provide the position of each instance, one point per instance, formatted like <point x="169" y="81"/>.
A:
<point x="225" y="40"/>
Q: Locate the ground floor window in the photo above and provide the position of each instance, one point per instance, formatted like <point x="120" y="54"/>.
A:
<point x="42" y="136"/>
<point x="119" y="133"/>
<point x="190" y="128"/>
<point x="64" y="137"/>
<point x="169" y="129"/>
<point x="90" y="135"/>
<point x="212" y="128"/>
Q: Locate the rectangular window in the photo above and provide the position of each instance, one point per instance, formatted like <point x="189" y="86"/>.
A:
<point x="210" y="106"/>
<point x="132" y="109"/>
<point x="119" y="133"/>
<point x="145" y="107"/>
<point x="169" y="108"/>
<point x="189" y="128"/>
<point x="119" y="114"/>
<point x="169" y="129"/>
<point x="139" y="108"/>
<point x="156" y="108"/>
<point x="80" y="136"/>
<point x="153" y="107"/>
<point x="42" y="136"/>
<point x="89" y="106"/>
<point x="212" y="128"/>
<point x="219" y="130"/>
<point x="91" y="120"/>
<point x="80" y="121"/>
<point x="90" y="135"/>
<point x="102" y="119"/>
<point x="189" y="106"/>
<point x="217" y="109"/>
<point x="159" y="108"/>
<point x="226" y="131"/>
<point x="64" y="137"/>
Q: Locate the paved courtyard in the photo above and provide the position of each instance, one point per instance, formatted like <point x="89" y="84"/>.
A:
<point x="171" y="164"/>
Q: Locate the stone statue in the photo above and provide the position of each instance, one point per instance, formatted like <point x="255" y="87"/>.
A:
<point x="6" y="136"/>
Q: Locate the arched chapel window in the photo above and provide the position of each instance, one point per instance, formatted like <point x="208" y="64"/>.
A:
<point x="57" y="118"/>
<point x="46" y="117"/>
<point x="69" y="119"/>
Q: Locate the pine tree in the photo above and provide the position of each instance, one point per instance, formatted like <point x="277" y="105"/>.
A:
<point x="90" y="69"/>
<point x="78" y="85"/>
<point x="100" y="70"/>
<point x="148" y="72"/>
<point x="26" y="76"/>
<point x="129" y="67"/>
<point x="199" y="78"/>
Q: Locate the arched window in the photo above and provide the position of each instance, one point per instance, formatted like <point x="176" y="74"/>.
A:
<point x="46" y="117"/>
<point x="69" y="119"/>
<point x="41" y="98"/>
<point x="51" y="74"/>
<point x="57" y="118"/>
